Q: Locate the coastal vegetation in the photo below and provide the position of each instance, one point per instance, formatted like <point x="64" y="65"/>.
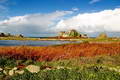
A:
<point x="56" y="52"/>
<point x="82" y="68"/>
<point x="115" y="39"/>
<point x="19" y="38"/>
<point x="10" y="35"/>
<point x="77" y="61"/>
<point x="92" y="59"/>
<point x="71" y="35"/>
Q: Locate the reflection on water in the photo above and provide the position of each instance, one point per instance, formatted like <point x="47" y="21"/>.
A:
<point x="32" y="43"/>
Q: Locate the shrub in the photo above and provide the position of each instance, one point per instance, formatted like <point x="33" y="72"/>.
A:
<point x="7" y="62"/>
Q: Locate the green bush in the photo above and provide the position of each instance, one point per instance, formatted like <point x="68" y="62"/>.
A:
<point x="5" y="62"/>
<point x="92" y="73"/>
<point x="95" y="68"/>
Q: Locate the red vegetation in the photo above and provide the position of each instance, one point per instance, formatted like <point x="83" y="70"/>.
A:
<point x="21" y="67"/>
<point x="60" y="52"/>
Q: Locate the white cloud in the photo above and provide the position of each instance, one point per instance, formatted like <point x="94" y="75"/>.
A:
<point x="107" y="20"/>
<point x="75" y="9"/>
<point x="32" y="24"/>
<point x="94" y="1"/>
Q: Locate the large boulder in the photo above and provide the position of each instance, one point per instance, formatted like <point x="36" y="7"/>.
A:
<point x="33" y="68"/>
<point x="102" y="36"/>
<point x="61" y="33"/>
<point x="20" y="35"/>
<point x="19" y="71"/>
<point x="73" y="33"/>
<point x="11" y="72"/>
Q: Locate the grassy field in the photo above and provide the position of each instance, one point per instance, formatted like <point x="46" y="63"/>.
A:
<point x="63" y="39"/>
<point x="83" y="68"/>
<point x="18" y="38"/>
<point x="89" y="60"/>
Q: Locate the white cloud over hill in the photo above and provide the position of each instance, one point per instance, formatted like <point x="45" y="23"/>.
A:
<point x="32" y="24"/>
<point x="107" y="20"/>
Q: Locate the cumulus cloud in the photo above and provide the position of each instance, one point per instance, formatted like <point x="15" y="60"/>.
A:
<point x="94" y="1"/>
<point x="75" y="9"/>
<point x="32" y="24"/>
<point x="107" y="20"/>
<point x="103" y="21"/>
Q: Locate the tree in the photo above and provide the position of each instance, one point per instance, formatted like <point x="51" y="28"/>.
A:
<point x="73" y="33"/>
<point x="2" y="34"/>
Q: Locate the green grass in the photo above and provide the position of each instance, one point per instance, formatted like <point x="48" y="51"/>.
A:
<point x="102" y="40"/>
<point x="90" y="73"/>
<point x="83" y="68"/>
<point x="80" y="39"/>
<point x="18" y="38"/>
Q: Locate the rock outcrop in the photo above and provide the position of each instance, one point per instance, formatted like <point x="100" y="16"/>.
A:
<point x="33" y="68"/>
<point x="102" y="36"/>
<point x="72" y="33"/>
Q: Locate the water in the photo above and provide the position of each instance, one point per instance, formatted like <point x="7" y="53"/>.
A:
<point x="33" y="43"/>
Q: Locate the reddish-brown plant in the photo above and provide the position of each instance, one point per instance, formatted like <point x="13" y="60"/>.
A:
<point x="60" y="52"/>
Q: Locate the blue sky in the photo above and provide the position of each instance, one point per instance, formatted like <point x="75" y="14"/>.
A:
<point x="21" y="7"/>
<point x="48" y="17"/>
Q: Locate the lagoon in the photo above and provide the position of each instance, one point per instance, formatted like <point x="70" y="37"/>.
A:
<point x="32" y="43"/>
